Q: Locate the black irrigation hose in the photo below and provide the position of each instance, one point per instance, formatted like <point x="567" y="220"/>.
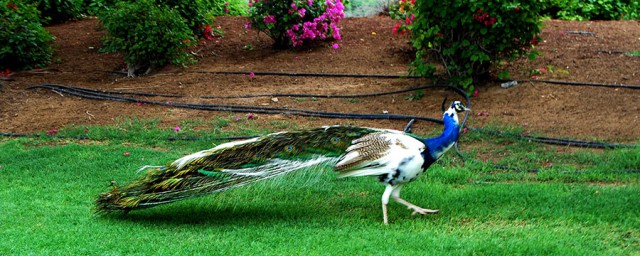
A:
<point x="557" y="141"/>
<point x="357" y="76"/>
<point x="611" y="52"/>
<point x="103" y="95"/>
<point x="82" y="137"/>
<point x="535" y="170"/>
<point x="626" y="86"/>
<point x="97" y="95"/>
<point x="397" y="76"/>
<point x="579" y="32"/>
<point x="24" y="135"/>
<point x="267" y="73"/>
<point x="294" y="95"/>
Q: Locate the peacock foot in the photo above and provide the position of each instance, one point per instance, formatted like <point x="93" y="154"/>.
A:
<point x="422" y="211"/>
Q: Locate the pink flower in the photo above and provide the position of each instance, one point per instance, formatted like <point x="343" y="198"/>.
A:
<point x="335" y="46"/>
<point x="270" y="19"/>
<point x="126" y="153"/>
<point x="247" y="25"/>
<point x="476" y="92"/>
<point x="237" y="118"/>
<point x="310" y="2"/>
<point x="176" y="129"/>
<point x="465" y="130"/>
<point x="86" y="130"/>
<point x="251" y="74"/>
<point x="52" y="131"/>
<point x="250" y="116"/>
<point x="138" y="104"/>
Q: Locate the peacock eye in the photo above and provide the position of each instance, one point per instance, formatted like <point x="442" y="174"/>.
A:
<point x="289" y="148"/>
<point x="352" y="133"/>
<point x="335" y="140"/>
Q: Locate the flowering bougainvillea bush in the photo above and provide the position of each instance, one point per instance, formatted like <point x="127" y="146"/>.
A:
<point x="295" y="22"/>
<point x="24" y="43"/>
<point x="466" y="37"/>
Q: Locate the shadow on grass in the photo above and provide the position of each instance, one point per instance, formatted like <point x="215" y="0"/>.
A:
<point x="233" y="216"/>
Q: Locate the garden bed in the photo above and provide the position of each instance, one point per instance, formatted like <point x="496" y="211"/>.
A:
<point x="368" y="47"/>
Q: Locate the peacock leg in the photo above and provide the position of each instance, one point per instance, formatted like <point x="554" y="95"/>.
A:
<point x="395" y="194"/>
<point x="385" y="201"/>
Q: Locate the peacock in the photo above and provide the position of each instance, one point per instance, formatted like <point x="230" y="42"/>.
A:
<point x="394" y="157"/>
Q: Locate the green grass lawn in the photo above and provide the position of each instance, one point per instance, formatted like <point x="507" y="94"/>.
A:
<point x="584" y="204"/>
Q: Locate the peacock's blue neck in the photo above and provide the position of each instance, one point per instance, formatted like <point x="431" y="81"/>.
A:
<point x="439" y="145"/>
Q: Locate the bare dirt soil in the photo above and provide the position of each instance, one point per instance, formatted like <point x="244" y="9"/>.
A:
<point x="368" y="47"/>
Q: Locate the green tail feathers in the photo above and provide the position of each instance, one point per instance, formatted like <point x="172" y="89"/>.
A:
<point x="232" y="165"/>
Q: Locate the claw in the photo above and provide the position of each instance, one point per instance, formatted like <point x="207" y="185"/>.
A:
<point x="422" y="211"/>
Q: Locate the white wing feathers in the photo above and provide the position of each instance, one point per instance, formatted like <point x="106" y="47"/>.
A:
<point x="378" y="153"/>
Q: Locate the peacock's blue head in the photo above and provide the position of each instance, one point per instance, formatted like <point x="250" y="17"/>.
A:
<point x="457" y="107"/>
<point x="452" y="112"/>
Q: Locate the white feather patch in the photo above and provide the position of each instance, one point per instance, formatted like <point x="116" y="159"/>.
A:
<point x="188" y="158"/>
<point x="278" y="166"/>
<point x="402" y="150"/>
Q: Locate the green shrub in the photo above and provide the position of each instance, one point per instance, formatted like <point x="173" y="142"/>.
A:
<point x="94" y="7"/>
<point x="149" y="35"/>
<point x="224" y="8"/>
<point x="467" y="37"/>
<point x="591" y="9"/>
<point x="193" y="12"/>
<point x="24" y="43"/>
<point x="58" y="11"/>
<point x="632" y="11"/>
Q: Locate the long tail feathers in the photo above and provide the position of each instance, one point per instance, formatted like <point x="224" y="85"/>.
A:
<point x="231" y="165"/>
